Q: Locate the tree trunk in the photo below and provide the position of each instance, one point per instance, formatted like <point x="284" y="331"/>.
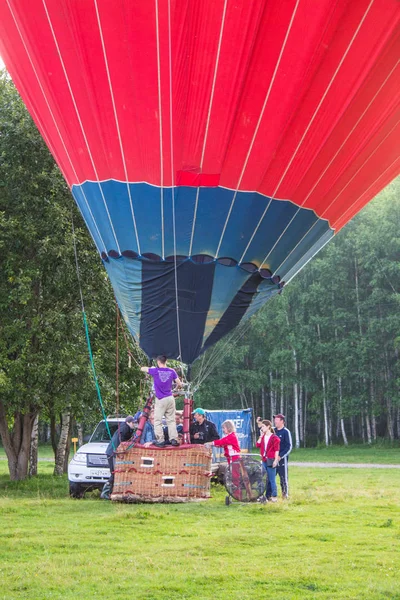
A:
<point x="33" y="451"/>
<point x="53" y="432"/>
<point x="329" y="411"/>
<point x="282" y="397"/>
<point x="305" y="418"/>
<point x="68" y="446"/>
<point x="243" y="400"/>
<point x="344" y="436"/>
<point x="362" y="426"/>
<point x="364" y="382"/>
<point x="262" y="402"/>
<point x="324" y="401"/>
<point x="388" y="399"/>
<point x="62" y="444"/>
<point x="373" y="426"/>
<point x="296" y="401"/>
<point x="372" y="399"/>
<point x="17" y="442"/>
<point x="253" y="419"/>
<point x="272" y="394"/>
<point x="79" y="427"/>
<point x="325" y="407"/>
<point x="368" y="425"/>
<point x="301" y="390"/>
<point x="390" y="428"/>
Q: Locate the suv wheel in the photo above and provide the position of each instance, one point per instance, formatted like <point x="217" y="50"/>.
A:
<point x="76" y="490"/>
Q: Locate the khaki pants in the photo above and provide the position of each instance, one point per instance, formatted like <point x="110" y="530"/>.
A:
<point x="165" y="408"/>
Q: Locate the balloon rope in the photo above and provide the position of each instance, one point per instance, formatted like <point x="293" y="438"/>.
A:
<point x="117" y="359"/>
<point x="85" y="324"/>
<point x="142" y="355"/>
<point x="217" y="353"/>
<point x="178" y="330"/>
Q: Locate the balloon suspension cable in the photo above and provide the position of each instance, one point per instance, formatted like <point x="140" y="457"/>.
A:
<point x="217" y="353"/>
<point x="185" y="377"/>
<point x="86" y="327"/>
<point x="117" y="364"/>
<point x="142" y="356"/>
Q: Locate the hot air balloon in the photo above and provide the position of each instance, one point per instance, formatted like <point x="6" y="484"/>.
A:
<point x="212" y="147"/>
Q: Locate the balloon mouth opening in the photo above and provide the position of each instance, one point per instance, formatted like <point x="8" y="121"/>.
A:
<point x="199" y="259"/>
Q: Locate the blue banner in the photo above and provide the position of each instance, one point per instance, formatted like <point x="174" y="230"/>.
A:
<point x="242" y="422"/>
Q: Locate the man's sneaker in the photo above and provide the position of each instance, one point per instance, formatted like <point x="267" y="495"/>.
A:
<point x="262" y="500"/>
<point x="159" y="444"/>
<point x="273" y="499"/>
<point x="174" y="443"/>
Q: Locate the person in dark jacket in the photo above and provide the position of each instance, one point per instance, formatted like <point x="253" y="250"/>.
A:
<point x="285" y="448"/>
<point x="122" y="434"/>
<point x="202" y="431"/>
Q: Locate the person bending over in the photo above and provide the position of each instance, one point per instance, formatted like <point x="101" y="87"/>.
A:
<point x="122" y="434"/>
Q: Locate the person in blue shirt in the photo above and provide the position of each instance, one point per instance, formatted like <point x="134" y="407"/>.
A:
<point x="285" y="448"/>
<point x="148" y="436"/>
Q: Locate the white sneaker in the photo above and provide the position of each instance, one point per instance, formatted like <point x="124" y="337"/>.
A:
<point x="273" y="499"/>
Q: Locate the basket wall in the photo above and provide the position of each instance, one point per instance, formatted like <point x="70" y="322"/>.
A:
<point x="162" y="474"/>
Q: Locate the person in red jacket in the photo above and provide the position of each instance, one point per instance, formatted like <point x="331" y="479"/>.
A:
<point x="269" y="445"/>
<point x="229" y="442"/>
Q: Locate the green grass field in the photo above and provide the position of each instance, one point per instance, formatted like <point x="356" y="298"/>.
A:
<point x="382" y="453"/>
<point x="338" y="537"/>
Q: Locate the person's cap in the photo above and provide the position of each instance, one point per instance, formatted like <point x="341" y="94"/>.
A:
<point x="129" y="419"/>
<point x="199" y="411"/>
<point x="280" y="416"/>
<point x="137" y="415"/>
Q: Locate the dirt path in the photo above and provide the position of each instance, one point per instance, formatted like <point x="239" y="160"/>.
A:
<point x="337" y="465"/>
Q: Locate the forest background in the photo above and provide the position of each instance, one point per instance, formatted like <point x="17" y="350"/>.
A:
<point x="324" y="352"/>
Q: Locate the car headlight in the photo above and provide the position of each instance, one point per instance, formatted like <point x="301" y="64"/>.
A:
<point x="80" y="457"/>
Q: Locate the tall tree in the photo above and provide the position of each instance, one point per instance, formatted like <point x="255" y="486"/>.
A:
<point x="43" y="355"/>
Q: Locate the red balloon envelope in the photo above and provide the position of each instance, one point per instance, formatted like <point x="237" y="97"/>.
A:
<point x="212" y="147"/>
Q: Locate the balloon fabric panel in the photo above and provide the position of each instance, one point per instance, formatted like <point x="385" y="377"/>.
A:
<point x="212" y="147"/>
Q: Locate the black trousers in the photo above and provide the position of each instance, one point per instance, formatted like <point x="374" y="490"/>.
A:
<point x="282" y="471"/>
<point x="111" y="464"/>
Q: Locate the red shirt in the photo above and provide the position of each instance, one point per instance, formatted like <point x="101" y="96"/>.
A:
<point x="273" y="445"/>
<point x="230" y="445"/>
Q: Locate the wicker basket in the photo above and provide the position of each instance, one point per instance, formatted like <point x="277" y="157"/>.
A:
<point x="162" y="474"/>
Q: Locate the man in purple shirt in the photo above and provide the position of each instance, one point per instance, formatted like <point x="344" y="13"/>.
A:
<point x="163" y="378"/>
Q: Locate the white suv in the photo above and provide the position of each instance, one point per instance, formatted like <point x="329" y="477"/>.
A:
<point x="88" y="470"/>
